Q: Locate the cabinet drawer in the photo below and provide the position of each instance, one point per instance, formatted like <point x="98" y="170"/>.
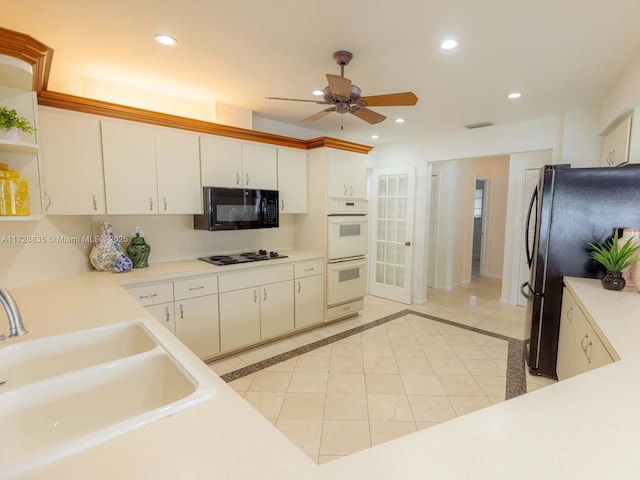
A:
<point x="345" y="309"/>
<point x="306" y="269"/>
<point x="152" y="294"/>
<point x="195" y="287"/>
<point x="254" y="278"/>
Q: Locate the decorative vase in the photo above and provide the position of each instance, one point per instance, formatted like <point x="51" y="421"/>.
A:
<point x="613" y="281"/>
<point x="122" y="264"/>
<point x="138" y="251"/>
<point x="628" y="273"/>
<point x="106" y="250"/>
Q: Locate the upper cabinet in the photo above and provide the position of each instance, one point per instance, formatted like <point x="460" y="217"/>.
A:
<point x="615" y="146"/>
<point x="346" y="174"/>
<point x="150" y="170"/>
<point x="178" y="171"/>
<point x="72" y="163"/>
<point x="235" y="164"/>
<point x="292" y="180"/>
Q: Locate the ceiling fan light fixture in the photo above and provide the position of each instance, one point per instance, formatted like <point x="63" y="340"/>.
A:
<point x="514" y="95"/>
<point x="399" y="120"/>
<point x="449" y="44"/>
<point x="375" y="137"/>
<point x="317" y="93"/>
<point x="165" y="39"/>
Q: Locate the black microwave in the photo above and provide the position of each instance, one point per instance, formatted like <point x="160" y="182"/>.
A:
<point x="237" y="208"/>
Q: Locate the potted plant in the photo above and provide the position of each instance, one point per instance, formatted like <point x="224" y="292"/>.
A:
<point x="614" y="259"/>
<point x="11" y="124"/>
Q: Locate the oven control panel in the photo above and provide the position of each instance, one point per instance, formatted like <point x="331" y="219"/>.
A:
<point x="343" y="206"/>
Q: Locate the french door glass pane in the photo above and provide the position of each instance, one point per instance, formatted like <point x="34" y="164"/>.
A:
<point x="380" y="272"/>
<point x="393" y="185"/>
<point x="382" y="186"/>
<point x="403" y="185"/>
<point x="382" y="208"/>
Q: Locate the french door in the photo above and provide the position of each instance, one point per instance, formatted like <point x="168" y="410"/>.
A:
<point x="392" y="234"/>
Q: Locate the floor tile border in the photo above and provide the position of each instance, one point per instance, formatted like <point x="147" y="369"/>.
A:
<point x="515" y="377"/>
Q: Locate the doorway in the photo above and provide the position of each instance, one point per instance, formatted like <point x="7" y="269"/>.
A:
<point x="479" y="222"/>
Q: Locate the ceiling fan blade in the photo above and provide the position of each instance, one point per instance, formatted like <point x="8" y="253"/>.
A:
<point x="296" y="100"/>
<point x="340" y="87"/>
<point x="368" y="116"/>
<point x="320" y="114"/>
<point x="391" y="100"/>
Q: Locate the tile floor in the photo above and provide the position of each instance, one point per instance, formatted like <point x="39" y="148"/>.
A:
<point x="407" y="374"/>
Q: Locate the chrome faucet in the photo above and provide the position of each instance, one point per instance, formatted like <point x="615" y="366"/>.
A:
<point x="15" y="320"/>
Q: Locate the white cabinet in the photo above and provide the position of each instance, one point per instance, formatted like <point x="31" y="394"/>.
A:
<point x="178" y="171"/>
<point x="129" y="168"/>
<point x="239" y="318"/>
<point x="235" y="164"/>
<point x="188" y="308"/>
<point x="220" y="162"/>
<point x="309" y="292"/>
<point x="276" y="309"/>
<point x="292" y="180"/>
<point x="143" y="165"/>
<point x="615" y="146"/>
<point x="71" y="151"/>
<point x="580" y="348"/>
<point x="255" y="305"/>
<point x="346" y="174"/>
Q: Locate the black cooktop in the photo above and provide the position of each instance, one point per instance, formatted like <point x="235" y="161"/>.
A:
<point x="242" y="257"/>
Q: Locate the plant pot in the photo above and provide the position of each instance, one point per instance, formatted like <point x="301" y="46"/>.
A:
<point x="613" y="281"/>
<point x="11" y="134"/>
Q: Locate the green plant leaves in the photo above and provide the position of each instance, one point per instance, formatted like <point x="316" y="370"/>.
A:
<point x="613" y="257"/>
<point x="9" y="119"/>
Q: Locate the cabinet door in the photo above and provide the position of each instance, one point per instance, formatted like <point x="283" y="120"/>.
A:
<point x="220" y="162"/>
<point x="565" y="339"/>
<point x="239" y="318"/>
<point x="357" y="175"/>
<point x="178" y="171"/>
<point x="129" y="168"/>
<point x="276" y="309"/>
<point x="259" y="166"/>
<point x="292" y="180"/>
<point x="197" y="325"/>
<point x="615" y="146"/>
<point x="164" y="314"/>
<point x="309" y="300"/>
<point x="71" y="151"/>
<point x="337" y="173"/>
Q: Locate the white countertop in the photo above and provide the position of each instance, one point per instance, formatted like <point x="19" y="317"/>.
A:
<point x="584" y="427"/>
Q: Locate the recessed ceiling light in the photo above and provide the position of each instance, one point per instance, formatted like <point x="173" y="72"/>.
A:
<point x="448" y="44"/>
<point x="317" y="93"/>
<point x="165" y="39"/>
<point x="375" y="137"/>
<point x="514" y="95"/>
<point x="399" y="120"/>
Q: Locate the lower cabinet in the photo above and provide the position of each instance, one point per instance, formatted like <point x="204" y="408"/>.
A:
<point x="579" y="346"/>
<point x="309" y="301"/>
<point x="276" y="309"/>
<point x="164" y="313"/>
<point x="239" y="318"/>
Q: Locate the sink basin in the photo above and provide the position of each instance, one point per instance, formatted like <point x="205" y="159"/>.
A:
<point x="34" y="360"/>
<point x="69" y="392"/>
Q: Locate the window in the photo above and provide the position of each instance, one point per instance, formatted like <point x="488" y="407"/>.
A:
<point x="477" y="207"/>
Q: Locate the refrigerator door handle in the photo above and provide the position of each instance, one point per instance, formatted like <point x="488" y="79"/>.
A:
<point x="528" y="293"/>
<point x="529" y="248"/>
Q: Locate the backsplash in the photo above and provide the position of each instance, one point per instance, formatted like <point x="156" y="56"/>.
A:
<point x="172" y="237"/>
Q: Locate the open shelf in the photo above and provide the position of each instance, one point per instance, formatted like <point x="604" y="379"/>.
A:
<point x="13" y="146"/>
<point x="21" y="218"/>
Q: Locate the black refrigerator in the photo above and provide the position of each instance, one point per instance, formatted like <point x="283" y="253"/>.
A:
<point x="570" y="207"/>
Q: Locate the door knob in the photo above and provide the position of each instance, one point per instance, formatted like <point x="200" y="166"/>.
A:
<point x="407" y="243"/>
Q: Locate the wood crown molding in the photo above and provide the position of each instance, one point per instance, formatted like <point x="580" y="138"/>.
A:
<point x="35" y="53"/>
<point x="123" y="112"/>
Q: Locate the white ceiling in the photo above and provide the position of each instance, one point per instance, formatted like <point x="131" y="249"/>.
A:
<point x="560" y="54"/>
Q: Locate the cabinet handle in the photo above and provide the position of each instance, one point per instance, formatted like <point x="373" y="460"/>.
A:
<point x="164" y="199"/>
<point x="166" y="312"/>
<point x="265" y="295"/>
<point x="344" y="309"/>
<point x="151" y="204"/>
<point x="191" y="289"/>
<point x="255" y="296"/>
<point x="181" y="311"/>
<point x="299" y="287"/>
<point x="588" y="348"/>
<point x="149" y="296"/>
<point x="48" y="201"/>
<point x="247" y="177"/>
<point x="309" y="269"/>
<point x="345" y="190"/>
<point x="95" y="202"/>
<point x="237" y="178"/>
<point x="570" y="314"/>
<point x="351" y="190"/>
<point x="282" y="207"/>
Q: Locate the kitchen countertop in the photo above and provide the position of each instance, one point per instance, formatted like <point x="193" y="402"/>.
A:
<point x="584" y="427"/>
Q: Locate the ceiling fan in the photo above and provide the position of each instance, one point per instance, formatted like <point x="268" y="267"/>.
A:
<point x="345" y="97"/>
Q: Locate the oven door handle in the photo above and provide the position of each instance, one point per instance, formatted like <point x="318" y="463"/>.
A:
<point x="337" y="220"/>
<point x="347" y="265"/>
